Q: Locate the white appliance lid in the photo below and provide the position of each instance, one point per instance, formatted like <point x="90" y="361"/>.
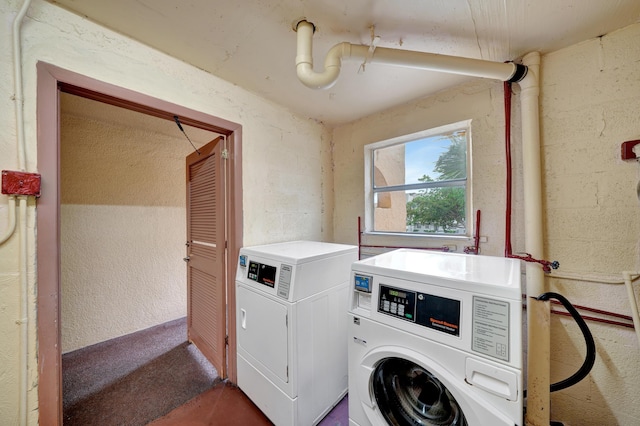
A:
<point x="296" y="252"/>
<point x="482" y="274"/>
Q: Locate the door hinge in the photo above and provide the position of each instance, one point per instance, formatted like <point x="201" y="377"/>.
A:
<point x="225" y="154"/>
<point x="286" y="320"/>
<point x="226" y="340"/>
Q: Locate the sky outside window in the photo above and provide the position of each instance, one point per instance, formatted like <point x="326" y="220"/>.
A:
<point x="421" y="156"/>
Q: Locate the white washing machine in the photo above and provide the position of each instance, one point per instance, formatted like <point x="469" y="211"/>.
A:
<point x="435" y="339"/>
<point x="292" y="328"/>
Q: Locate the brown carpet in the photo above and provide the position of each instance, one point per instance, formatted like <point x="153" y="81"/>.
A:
<point x="134" y="379"/>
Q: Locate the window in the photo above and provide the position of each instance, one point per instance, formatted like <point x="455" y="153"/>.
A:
<point x="418" y="184"/>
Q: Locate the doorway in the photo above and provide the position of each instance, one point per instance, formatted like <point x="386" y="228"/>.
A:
<point x="52" y="81"/>
<point x="123" y="293"/>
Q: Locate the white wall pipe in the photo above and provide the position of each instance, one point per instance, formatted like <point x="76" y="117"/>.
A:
<point x="24" y="314"/>
<point x="11" y="205"/>
<point x="629" y="277"/>
<point x="17" y="75"/>
<point x="586" y="278"/>
<point x="538" y="312"/>
<point x="23" y="260"/>
<point x="403" y="58"/>
<point x="532" y="168"/>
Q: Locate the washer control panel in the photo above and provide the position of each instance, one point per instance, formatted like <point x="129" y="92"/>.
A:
<point x="434" y="312"/>
<point x="397" y="303"/>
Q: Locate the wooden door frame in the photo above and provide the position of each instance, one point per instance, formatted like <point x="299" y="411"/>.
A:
<point x="50" y="80"/>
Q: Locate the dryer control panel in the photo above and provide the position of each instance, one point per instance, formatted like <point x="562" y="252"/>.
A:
<point x="264" y="274"/>
<point x="276" y="276"/>
<point x="435" y="312"/>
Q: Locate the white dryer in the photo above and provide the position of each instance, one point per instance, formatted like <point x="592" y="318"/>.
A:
<point x="435" y="339"/>
<point x="291" y="301"/>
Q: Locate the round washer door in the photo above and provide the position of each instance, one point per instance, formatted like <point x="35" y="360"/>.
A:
<point x="409" y="395"/>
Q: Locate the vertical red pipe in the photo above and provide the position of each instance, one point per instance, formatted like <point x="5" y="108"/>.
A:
<point x="359" y="236"/>
<point x="507" y="141"/>
<point x="546" y="265"/>
<point x="476" y="238"/>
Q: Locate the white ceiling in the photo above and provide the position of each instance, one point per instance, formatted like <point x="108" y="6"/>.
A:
<point x="251" y="43"/>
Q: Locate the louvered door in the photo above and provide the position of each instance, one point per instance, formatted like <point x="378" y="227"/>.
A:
<point x="206" y="316"/>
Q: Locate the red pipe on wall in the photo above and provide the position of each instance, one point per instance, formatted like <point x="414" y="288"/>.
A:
<point x="628" y="324"/>
<point x="507" y="143"/>
<point x="546" y="265"/>
<point x="595" y="319"/>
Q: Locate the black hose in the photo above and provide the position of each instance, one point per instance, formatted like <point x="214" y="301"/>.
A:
<point x="590" y="357"/>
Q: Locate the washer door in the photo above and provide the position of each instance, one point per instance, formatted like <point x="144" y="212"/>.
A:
<point x="407" y="394"/>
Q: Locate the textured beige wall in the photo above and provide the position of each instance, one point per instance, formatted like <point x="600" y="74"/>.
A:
<point x="590" y="99"/>
<point x="287" y="190"/>
<point x="122" y="221"/>
<point x="590" y="104"/>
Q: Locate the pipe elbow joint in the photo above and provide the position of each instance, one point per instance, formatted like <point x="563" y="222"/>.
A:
<point x="315" y="80"/>
<point x="336" y="53"/>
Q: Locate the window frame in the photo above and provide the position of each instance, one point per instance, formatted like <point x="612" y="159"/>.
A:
<point x="370" y="190"/>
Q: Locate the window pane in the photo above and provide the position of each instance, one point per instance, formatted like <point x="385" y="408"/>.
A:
<point x="436" y="158"/>
<point x="429" y="211"/>
<point x="437" y="210"/>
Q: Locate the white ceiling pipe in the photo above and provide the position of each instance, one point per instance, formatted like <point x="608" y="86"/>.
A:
<point x="403" y="58"/>
<point x="304" y="60"/>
